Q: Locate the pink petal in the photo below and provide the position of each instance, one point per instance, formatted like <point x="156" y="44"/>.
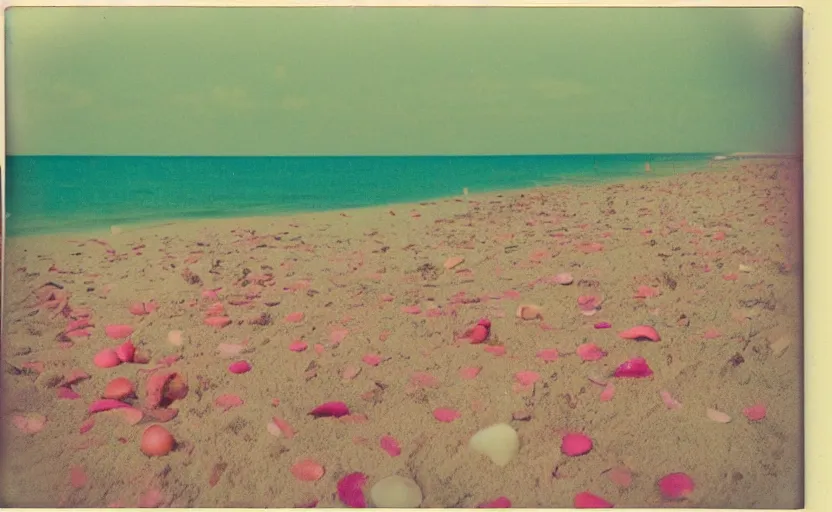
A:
<point x="621" y="476"/>
<point x="635" y="368"/>
<point x="227" y="402"/>
<point x="640" y="332"/>
<point x="755" y="412"/>
<point x="29" y="423"/>
<point x="294" y="318"/>
<point x="548" y="354"/>
<point x="333" y="409"/>
<point x="590" y="352"/>
<point x="118" y="331"/>
<point x="527" y="378"/>
<point x="446" y="415"/>
<point x="106" y="404"/>
<point x="501" y="502"/>
<point x="126" y="351"/>
<point x="497" y="350"/>
<point x="67" y="394"/>
<point x="86" y="426"/>
<point x="669" y="401"/>
<point x="239" y="367"/>
<point x="230" y="349"/>
<point x="338" y="335"/>
<point x="390" y="445"/>
<point x="470" y="372"/>
<point x="588" y="500"/>
<point x="711" y="334"/>
<point x="131" y="415"/>
<point x="424" y="380"/>
<point x="603" y="325"/>
<point x="218" y="322"/>
<point x="298" y="346"/>
<point x="77" y="477"/>
<point x="372" y="359"/>
<point x="106" y="358"/>
<point x="278" y="427"/>
<point x="411" y="310"/>
<point x="608" y="393"/>
<point x="574" y="444"/>
<point x="350" y="490"/>
<point x="676" y="486"/>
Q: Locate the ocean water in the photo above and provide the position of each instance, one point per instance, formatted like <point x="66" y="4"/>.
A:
<point x="51" y="194"/>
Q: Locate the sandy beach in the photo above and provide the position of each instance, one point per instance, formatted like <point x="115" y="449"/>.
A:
<point x="375" y="309"/>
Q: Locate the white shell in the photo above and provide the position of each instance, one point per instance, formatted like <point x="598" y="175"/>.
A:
<point x="396" y="492"/>
<point x="498" y="442"/>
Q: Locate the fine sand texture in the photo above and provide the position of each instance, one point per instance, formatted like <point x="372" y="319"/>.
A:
<point x="371" y="307"/>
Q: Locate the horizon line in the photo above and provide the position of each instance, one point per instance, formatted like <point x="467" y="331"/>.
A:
<point x="382" y="155"/>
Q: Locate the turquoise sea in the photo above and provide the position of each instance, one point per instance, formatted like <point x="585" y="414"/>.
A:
<point x="50" y="194"/>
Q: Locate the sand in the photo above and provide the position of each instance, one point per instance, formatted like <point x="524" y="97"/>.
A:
<point x="721" y="249"/>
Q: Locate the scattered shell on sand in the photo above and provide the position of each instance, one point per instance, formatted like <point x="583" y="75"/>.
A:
<point x="499" y="443"/>
<point x="779" y="346"/>
<point x="528" y="312"/>
<point x="396" y="492"/>
<point x="746" y="268"/>
<point x="453" y="262"/>
<point x="717" y="416"/>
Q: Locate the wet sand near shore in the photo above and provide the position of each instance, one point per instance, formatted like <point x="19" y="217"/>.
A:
<point x="242" y="327"/>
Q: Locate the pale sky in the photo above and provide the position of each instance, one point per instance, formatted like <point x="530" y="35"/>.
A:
<point x="335" y="81"/>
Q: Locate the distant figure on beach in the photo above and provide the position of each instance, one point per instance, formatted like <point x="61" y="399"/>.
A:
<point x="647" y="167"/>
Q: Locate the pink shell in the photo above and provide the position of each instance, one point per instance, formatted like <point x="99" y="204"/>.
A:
<point x="333" y="409"/>
<point x="446" y="415"/>
<point x="118" y="331"/>
<point x="106" y="404"/>
<point x="501" y="502"/>
<point x="107" y="358"/>
<point x="239" y="367"/>
<point x="350" y="490"/>
<point x="589" y="500"/>
<point x="635" y="368"/>
<point x="640" y="332"/>
<point x="125" y="352"/>
<point x="390" y="445"/>
<point x="575" y="444"/>
<point x="676" y="486"/>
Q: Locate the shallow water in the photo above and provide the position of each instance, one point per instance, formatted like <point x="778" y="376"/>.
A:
<point x="48" y="194"/>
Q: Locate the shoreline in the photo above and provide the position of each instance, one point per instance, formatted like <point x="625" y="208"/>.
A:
<point x="713" y="166"/>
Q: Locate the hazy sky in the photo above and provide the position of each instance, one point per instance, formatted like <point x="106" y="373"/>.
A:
<point x="175" y="81"/>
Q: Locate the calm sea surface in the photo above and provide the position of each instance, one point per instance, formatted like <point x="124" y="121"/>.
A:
<point x="49" y="194"/>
